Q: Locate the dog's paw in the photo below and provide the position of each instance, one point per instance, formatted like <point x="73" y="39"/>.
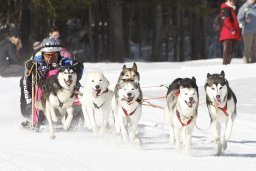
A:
<point x="224" y="145"/>
<point x="219" y="149"/>
<point x="172" y="140"/>
<point x="136" y="141"/>
<point x="66" y="126"/>
<point x="88" y="126"/>
<point x="52" y="136"/>
<point x="95" y="129"/>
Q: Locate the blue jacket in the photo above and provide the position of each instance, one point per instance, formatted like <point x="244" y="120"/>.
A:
<point x="247" y="10"/>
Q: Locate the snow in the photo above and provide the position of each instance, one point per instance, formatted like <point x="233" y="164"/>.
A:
<point x="22" y="149"/>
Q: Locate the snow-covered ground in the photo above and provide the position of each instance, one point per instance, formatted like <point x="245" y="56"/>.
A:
<point x="22" y="149"/>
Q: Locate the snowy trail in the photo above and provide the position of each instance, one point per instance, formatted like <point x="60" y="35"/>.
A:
<point x="79" y="149"/>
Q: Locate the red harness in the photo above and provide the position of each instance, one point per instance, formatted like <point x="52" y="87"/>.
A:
<point x="224" y="109"/>
<point x="183" y="124"/>
<point x="128" y="114"/>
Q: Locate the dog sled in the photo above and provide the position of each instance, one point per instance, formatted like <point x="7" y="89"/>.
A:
<point x="33" y="73"/>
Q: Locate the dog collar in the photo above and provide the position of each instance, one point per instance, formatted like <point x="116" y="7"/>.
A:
<point x="179" y="117"/>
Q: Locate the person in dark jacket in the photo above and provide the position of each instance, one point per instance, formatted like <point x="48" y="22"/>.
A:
<point x="9" y="54"/>
<point x="230" y="32"/>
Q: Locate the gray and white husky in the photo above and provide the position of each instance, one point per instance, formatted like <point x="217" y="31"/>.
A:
<point x="57" y="93"/>
<point x="96" y="96"/>
<point x="128" y="109"/>
<point x="127" y="75"/>
<point x="181" y="111"/>
<point x="221" y="103"/>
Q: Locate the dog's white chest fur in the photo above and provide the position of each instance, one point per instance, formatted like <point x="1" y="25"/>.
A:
<point x="63" y="99"/>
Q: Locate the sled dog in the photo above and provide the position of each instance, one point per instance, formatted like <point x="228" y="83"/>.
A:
<point x="128" y="109"/>
<point x="127" y="74"/>
<point x="57" y="92"/>
<point x="221" y="103"/>
<point x="96" y="95"/>
<point x="181" y="111"/>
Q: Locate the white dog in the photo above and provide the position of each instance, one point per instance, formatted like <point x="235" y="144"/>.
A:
<point x="128" y="109"/>
<point x="221" y="103"/>
<point x="96" y="96"/>
<point x="181" y="111"/>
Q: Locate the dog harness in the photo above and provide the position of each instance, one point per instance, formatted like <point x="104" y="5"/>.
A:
<point x="126" y="112"/>
<point x="95" y="105"/>
<point x="224" y="109"/>
<point x="179" y="117"/>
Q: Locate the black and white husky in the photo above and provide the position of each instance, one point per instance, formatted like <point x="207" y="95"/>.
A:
<point x="181" y="111"/>
<point x="221" y="103"/>
<point x="96" y="96"/>
<point x="128" y="109"/>
<point x="57" y="92"/>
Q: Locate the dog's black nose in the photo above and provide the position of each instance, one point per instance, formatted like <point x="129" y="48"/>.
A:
<point x="129" y="94"/>
<point x="70" y="77"/>
<point x="97" y="86"/>
<point x="191" y="99"/>
<point x="218" y="96"/>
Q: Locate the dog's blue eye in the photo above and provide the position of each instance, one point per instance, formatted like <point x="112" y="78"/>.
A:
<point x="186" y="93"/>
<point x="92" y="80"/>
<point x="194" y="93"/>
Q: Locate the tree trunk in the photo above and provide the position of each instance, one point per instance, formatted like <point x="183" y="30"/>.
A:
<point x="157" y="37"/>
<point x="117" y="51"/>
<point x="25" y="27"/>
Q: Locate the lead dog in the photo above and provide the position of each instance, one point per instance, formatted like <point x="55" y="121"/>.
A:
<point x="221" y="103"/>
<point x="96" y="96"/>
<point x="181" y="111"/>
<point x="57" y="93"/>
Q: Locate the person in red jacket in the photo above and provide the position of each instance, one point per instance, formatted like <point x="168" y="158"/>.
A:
<point x="230" y="32"/>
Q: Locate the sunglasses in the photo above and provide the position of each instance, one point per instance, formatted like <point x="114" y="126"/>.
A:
<point x="50" y="55"/>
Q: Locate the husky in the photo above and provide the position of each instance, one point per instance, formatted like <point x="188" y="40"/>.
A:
<point x="221" y="102"/>
<point x="129" y="74"/>
<point x="128" y="109"/>
<point x="96" y="95"/>
<point x="57" y="93"/>
<point x="181" y="111"/>
<point x="126" y="75"/>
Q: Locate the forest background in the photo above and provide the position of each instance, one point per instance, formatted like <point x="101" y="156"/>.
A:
<point x="120" y="30"/>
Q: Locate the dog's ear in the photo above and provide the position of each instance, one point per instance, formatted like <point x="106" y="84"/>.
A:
<point x="134" y="67"/>
<point x="222" y="74"/>
<point x="124" y="67"/>
<point x="194" y="79"/>
<point x="208" y="75"/>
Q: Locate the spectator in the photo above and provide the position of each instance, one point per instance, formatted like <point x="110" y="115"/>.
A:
<point x="9" y="54"/>
<point x="247" y="21"/>
<point x="230" y="32"/>
<point x="55" y="33"/>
